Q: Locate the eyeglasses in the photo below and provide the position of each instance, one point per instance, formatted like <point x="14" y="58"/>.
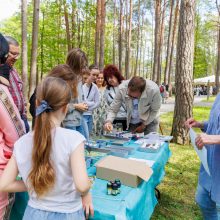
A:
<point x="132" y="97"/>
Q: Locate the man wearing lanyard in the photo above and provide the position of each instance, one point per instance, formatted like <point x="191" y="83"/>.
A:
<point x="142" y="99"/>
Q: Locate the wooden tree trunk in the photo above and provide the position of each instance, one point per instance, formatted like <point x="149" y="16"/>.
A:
<point x="113" y="34"/>
<point x="218" y="64"/>
<point x="120" y="31"/>
<point x="73" y="25"/>
<point x="34" y="47"/>
<point x="66" y="16"/>
<point x="78" y="29"/>
<point x="127" y="63"/>
<point x="141" y="42"/>
<point x="169" y="44"/>
<point x="42" y="47"/>
<point x="24" y="56"/>
<point x="59" y="18"/>
<point x="173" y="41"/>
<point x="97" y="32"/>
<point x="156" y="39"/>
<point x="138" y="35"/>
<point x="184" y="72"/>
<point x="102" y="35"/>
<point x="161" y="44"/>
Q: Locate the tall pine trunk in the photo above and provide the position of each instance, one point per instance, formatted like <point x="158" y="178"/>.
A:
<point x="34" y="47"/>
<point x="102" y="35"/>
<point x="169" y="43"/>
<point x="42" y="47"/>
<point x="128" y="48"/>
<point x="156" y="39"/>
<point x="66" y="16"/>
<point x="161" y="44"/>
<point x="113" y="35"/>
<point x="24" y="56"/>
<point x="120" y="33"/>
<point x="97" y="32"/>
<point x="173" y="41"/>
<point x="184" y="72"/>
<point x="138" y="36"/>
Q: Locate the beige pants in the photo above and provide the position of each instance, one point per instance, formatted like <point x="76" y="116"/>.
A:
<point x="3" y="201"/>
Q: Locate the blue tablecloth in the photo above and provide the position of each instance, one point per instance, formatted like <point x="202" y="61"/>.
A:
<point x="132" y="203"/>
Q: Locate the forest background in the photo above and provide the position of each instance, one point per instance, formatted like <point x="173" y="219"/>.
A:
<point x="139" y="36"/>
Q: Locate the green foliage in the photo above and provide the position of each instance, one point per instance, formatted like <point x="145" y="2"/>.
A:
<point x="200" y="63"/>
<point x="205" y="38"/>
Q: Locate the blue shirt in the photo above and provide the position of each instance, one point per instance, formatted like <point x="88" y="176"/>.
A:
<point x="135" y="119"/>
<point x="212" y="127"/>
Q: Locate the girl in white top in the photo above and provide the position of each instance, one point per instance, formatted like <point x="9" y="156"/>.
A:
<point x="50" y="161"/>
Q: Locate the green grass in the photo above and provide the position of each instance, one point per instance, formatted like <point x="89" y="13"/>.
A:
<point x="211" y="99"/>
<point x="179" y="185"/>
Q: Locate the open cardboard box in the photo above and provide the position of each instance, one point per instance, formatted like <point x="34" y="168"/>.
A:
<point x="130" y="172"/>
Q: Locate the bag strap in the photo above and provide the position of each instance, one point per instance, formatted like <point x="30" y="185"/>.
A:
<point x="90" y="88"/>
<point x="10" y="109"/>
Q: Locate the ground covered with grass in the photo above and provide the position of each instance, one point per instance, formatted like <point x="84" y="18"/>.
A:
<point x="179" y="185"/>
<point x="211" y="99"/>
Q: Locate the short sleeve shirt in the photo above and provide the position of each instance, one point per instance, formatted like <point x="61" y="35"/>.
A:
<point x="63" y="197"/>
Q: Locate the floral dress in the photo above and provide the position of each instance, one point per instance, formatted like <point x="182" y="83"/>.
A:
<point x="99" y="116"/>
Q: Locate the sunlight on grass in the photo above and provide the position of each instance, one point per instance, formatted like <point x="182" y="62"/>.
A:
<point x="179" y="185"/>
<point x="211" y="99"/>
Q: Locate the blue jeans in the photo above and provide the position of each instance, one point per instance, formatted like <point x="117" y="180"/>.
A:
<point x="210" y="209"/>
<point x="37" y="214"/>
<point x="88" y="120"/>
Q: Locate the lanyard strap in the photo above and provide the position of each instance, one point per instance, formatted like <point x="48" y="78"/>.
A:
<point x="90" y="88"/>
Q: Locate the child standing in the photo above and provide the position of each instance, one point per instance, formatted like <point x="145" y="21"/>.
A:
<point x="92" y="99"/>
<point x="53" y="169"/>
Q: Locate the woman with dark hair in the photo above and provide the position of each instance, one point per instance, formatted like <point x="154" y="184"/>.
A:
<point x="113" y="78"/>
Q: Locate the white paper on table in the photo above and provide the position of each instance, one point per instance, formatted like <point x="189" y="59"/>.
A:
<point x="150" y="163"/>
<point x="201" y="153"/>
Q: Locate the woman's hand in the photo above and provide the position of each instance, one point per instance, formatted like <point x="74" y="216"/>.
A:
<point x="87" y="205"/>
<point x="108" y="126"/>
<point x="82" y="107"/>
<point x="203" y="139"/>
<point x="191" y="122"/>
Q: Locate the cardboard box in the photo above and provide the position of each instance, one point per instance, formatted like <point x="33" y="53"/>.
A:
<point x="130" y="172"/>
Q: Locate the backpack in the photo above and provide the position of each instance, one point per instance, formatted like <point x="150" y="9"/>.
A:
<point x="161" y="89"/>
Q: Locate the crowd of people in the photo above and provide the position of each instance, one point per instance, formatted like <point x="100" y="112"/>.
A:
<point x="72" y="103"/>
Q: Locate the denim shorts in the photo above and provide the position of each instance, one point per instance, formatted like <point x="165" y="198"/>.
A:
<point x="37" y="214"/>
